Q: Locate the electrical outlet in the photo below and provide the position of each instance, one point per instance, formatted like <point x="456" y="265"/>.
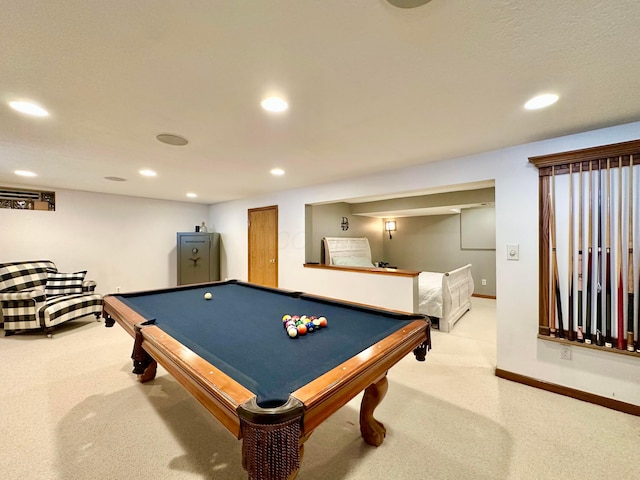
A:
<point x="484" y="281"/>
<point x="565" y="352"/>
<point x="117" y="289"/>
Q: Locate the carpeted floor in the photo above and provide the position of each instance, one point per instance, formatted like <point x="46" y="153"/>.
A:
<point x="71" y="409"/>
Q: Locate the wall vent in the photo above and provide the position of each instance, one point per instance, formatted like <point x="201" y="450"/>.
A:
<point x="21" y="199"/>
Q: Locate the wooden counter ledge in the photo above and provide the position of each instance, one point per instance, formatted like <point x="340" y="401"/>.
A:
<point x="372" y="270"/>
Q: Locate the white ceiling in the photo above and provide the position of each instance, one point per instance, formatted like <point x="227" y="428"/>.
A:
<point x="371" y="87"/>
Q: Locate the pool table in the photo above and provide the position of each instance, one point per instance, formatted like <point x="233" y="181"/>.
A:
<point x="233" y="355"/>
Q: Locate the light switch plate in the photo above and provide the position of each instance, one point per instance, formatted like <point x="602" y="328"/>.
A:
<point x="513" y="251"/>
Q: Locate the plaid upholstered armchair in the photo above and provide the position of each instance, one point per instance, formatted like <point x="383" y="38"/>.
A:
<point x="34" y="294"/>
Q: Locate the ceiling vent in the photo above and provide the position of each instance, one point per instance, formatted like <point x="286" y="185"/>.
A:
<point x="408" y="3"/>
<point x="20" y="199"/>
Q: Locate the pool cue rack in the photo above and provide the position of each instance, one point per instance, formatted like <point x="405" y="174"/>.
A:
<point x="589" y="224"/>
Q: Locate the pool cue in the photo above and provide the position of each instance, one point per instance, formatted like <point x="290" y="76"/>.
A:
<point x="630" y="279"/>
<point x="552" y="292"/>
<point x="579" y="333"/>
<point x="607" y="226"/>
<point x="570" y="313"/>
<point x="620" y="344"/>
<point x="599" y="289"/>
<point x="554" y="258"/>
<point x="631" y="256"/>
<point x="587" y="320"/>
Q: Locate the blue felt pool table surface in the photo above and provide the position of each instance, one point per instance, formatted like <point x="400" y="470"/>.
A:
<point x="239" y="331"/>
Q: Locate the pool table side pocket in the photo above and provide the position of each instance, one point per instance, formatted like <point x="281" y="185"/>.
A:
<point x="115" y="311"/>
<point x="271" y="439"/>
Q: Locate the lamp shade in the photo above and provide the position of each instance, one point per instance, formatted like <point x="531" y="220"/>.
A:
<point x="390" y="226"/>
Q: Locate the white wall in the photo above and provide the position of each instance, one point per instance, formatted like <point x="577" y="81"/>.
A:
<point x="401" y="292"/>
<point x="516" y="183"/>
<point x="121" y="241"/>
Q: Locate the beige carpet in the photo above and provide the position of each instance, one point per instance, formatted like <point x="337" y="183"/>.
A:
<point x="71" y="409"/>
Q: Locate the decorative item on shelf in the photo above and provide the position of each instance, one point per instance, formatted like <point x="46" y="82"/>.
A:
<point x="203" y="228"/>
<point x="390" y="226"/>
<point x="345" y="224"/>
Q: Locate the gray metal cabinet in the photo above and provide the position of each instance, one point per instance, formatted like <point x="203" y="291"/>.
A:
<point x="198" y="257"/>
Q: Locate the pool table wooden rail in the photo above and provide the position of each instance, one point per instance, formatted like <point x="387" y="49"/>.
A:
<point x="325" y="395"/>
<point x="193" y="372"/>
<point x="216" y="391"/>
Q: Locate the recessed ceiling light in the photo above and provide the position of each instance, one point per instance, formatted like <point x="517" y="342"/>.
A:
<point x="541" y="101"/>
<point x="191" y="195"/>
<point x="25" y="173"/>
<point x="116" y="179"/>
<point x="274" y="104"/>
<point x="172" y="139"/>
<point x="277" y="172"/>
<point x="29" y="108"/>
<point x="148" y="173"/>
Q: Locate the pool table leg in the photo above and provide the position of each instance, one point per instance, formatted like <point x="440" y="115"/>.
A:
<point x="149" y="372"/>
<point x="371" y="429"/>
<point x="301" y="454"/>
<point x="144" y="366"/>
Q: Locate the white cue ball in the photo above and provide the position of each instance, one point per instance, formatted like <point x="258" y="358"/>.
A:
<point x="207" y="296"/>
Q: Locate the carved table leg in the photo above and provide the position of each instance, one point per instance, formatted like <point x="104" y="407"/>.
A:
<point x="372" y="430"/>
<point x="149" y="372"/>
<point x="301" y="443"/>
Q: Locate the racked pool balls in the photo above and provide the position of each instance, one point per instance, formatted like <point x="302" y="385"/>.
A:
<point x="298" y="325"/>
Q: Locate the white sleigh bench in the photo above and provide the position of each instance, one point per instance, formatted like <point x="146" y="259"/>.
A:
<point x="34" y="295"/>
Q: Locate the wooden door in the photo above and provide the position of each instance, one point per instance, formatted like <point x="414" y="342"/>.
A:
<point x="263" y="246"/>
